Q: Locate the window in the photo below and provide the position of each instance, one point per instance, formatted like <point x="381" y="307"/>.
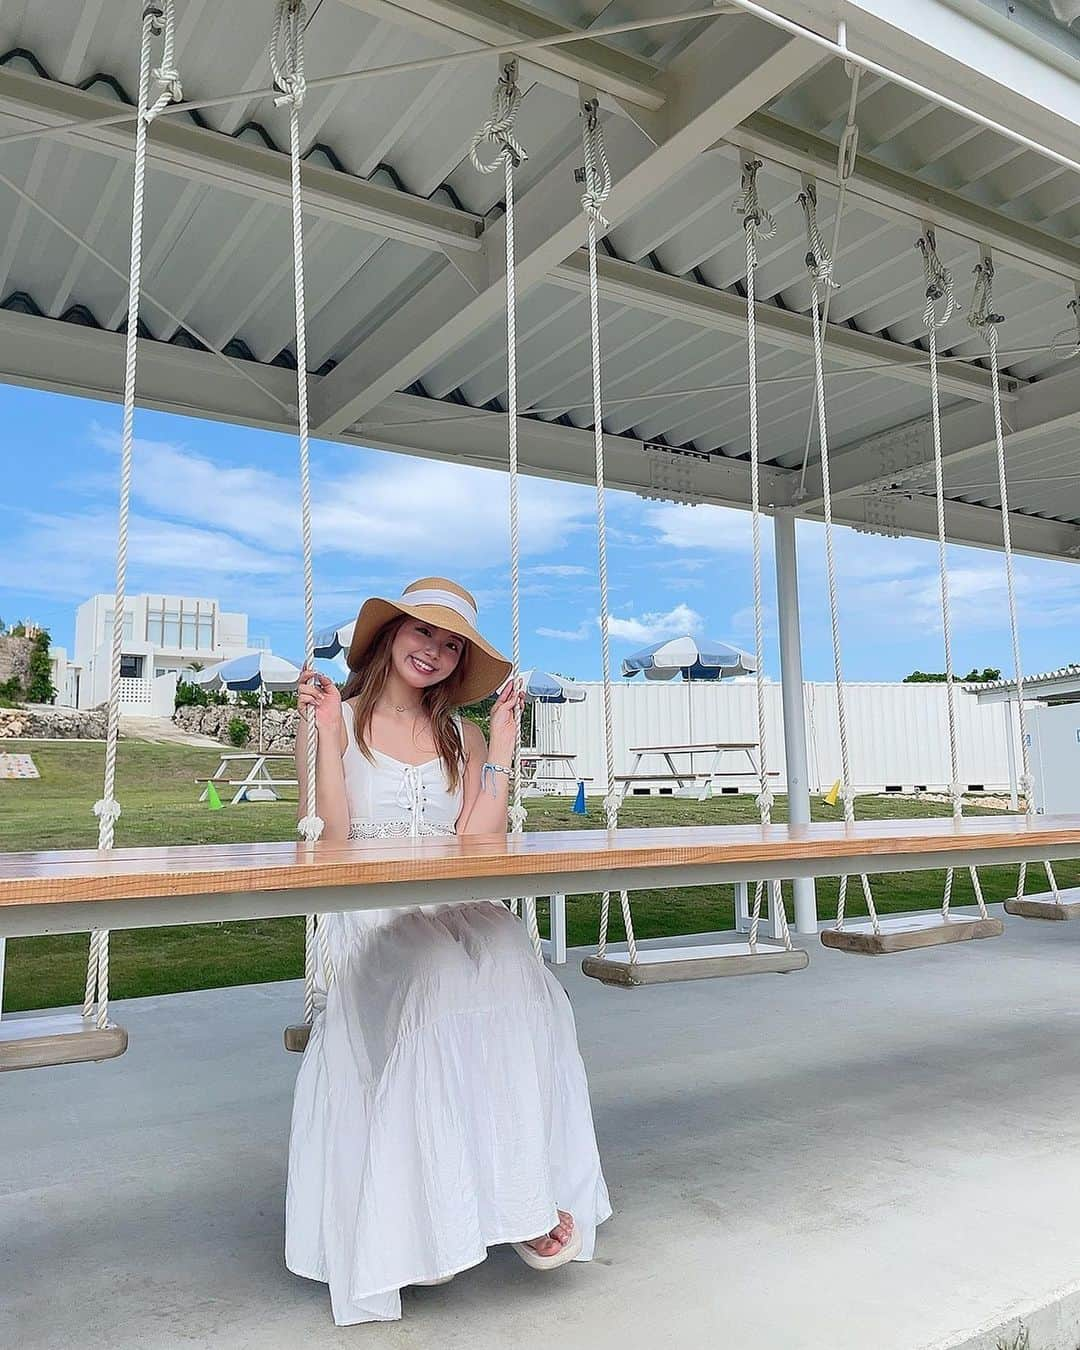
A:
<point x="154" y="626"/>
<point x="171" y="632"/>
<point x="129" y="624"/>
<point x="206" y="633"/>
<point x="131" y="667"/>
<point x="187" y="630"/>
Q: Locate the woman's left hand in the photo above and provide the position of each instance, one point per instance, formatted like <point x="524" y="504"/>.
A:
<point x="505" y="716"/>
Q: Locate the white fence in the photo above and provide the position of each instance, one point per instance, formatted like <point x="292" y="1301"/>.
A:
<point x="897" y="734"/>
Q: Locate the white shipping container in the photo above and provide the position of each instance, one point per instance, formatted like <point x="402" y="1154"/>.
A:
<point x="898" y="734"/>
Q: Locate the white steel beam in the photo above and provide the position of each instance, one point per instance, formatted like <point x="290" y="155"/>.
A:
<point x="887" y="192"/>
<point x="673" y="298"/>
<point x="887" y="459"/>
<point x="914" y="515"/>
<point x="458" y="24"/>
<point x="955" y="50"/>
<point x="240" y="166"/>
<point x="726" y="74"/>
<point x="43" y="353"/>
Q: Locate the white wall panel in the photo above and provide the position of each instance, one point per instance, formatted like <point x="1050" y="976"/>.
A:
<point x="898" y="733"/>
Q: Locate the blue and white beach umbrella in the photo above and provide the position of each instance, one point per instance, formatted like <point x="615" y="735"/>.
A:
<point x="254" y="671"/>
<point x="331" y="642"/>
<point x="540" y="687"/>
<point x="692" y="658"/>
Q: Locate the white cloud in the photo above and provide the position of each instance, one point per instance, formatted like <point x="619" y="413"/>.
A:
<point x="72" y="556"/>
<point x="560" y="570"/>
<point x="720" y="529"/>
<point x="436" y="516"/>
<point x="651" y="627"/>
<point x="584" y="629"/>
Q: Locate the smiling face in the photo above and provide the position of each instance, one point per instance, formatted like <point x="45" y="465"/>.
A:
<point x="423" y="655"/>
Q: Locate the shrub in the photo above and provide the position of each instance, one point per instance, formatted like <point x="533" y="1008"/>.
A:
<point x="283" y="698"/>
<point x="11" y="690"/>
<point x="239" y="732"/>
<point x="39" y="685"/>
<point x="249" y="698"/>
<point x="190" y="695"/>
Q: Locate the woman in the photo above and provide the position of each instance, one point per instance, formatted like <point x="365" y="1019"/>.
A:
<point x="441" y="1105"/>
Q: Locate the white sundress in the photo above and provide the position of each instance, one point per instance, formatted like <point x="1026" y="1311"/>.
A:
<point x="441" y="1106"/>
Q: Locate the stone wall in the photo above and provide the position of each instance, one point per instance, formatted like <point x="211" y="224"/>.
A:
<point x="15" y="657"/>
<point x="279" y="725"/>
<point x="64" y="723"/>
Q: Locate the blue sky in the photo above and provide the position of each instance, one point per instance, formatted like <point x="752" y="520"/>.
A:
<point x="215" y="513"/>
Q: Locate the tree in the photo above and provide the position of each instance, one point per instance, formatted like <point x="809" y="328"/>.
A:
<point x="974" y="676"/>
<point x="39" y="685"/>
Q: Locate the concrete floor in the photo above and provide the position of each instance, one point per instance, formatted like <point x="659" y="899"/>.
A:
<point x="874" y="1154"/>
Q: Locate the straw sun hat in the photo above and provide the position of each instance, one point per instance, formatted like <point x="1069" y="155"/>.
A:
<point x="444" y="604"/>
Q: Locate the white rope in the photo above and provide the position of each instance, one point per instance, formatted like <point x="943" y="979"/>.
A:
<point x="596" y="178"/>
<point x="939" y="290"/>
<point x="984" y="320"/>
<point x="1066" y="344"/>
<point x="846" y="790"/>
<point x="497" y="132"/>
<point x="758" y="224"/>
<point x="846" y="158"/>
<point x="286" y="53"/>
<point x="157" y="21"/>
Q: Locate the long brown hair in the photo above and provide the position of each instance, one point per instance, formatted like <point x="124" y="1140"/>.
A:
<point x="367" y="682"/>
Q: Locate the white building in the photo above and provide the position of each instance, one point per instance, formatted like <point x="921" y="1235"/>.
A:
<point x="164" y="635"/>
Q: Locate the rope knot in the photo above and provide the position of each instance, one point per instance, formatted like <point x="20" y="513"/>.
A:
<point x="765" y="801"/>
<point x="612" y="803"/>
<point x="596" y="175"/>
<point x="107" y="810"/>
<point x="981" y="314"/>
<point x="517" y="815"/>
<point x="757" y="222"/>
<point x="819" y="261"/>
<point x="939" y="283"/>
<point x="1066" y="344"/>
<point x="497" y="129"/>
<point x="162" y="21"/>
<point x="310" y="828"/>
<point x="287" y="53"/>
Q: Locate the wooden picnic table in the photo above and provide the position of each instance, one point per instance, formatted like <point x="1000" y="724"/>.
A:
<point x="683" y="775"/>
<point x="537" y="768"/>
<point x="258" y="783"/>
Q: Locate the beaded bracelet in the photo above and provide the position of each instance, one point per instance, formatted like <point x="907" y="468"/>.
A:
<point x="487" y="776"/>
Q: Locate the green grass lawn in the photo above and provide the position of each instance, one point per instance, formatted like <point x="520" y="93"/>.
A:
<point x="157" y="791"/>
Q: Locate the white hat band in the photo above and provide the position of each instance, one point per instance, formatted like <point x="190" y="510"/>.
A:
<point x="447" y="599"/>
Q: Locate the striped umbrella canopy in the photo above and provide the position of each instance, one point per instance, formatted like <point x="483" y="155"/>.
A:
<point x="261" y="671"/>
<point x="331" y="642"/>
<point x="692" y="658"/>
<point x="540" y="687"/>
<point x="255" y="670"/>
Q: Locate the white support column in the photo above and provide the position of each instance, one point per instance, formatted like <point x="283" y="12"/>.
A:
<point x="791" y="689"/>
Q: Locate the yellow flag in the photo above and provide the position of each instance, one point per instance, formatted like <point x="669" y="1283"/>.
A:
<point x="833" y="794"/>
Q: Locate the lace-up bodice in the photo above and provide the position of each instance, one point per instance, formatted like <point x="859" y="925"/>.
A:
<point x="390" y="798"/>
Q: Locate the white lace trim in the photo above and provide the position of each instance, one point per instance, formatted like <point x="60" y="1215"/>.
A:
<point x="397" y="829"/>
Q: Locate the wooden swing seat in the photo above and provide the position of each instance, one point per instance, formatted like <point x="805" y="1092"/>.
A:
<point x="1044" y="906"/>
<point x="908" y="932"/>
<point x="296" y="1037"/>
<point x="63" y="1038"/>
<point x="666" y="965"/>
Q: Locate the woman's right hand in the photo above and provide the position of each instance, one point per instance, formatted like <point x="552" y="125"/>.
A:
<point x="321" y="693"/>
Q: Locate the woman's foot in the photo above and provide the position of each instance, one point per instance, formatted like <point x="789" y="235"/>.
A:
<point x="554" y="1248"/>
<point x="551" y="1244"/>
